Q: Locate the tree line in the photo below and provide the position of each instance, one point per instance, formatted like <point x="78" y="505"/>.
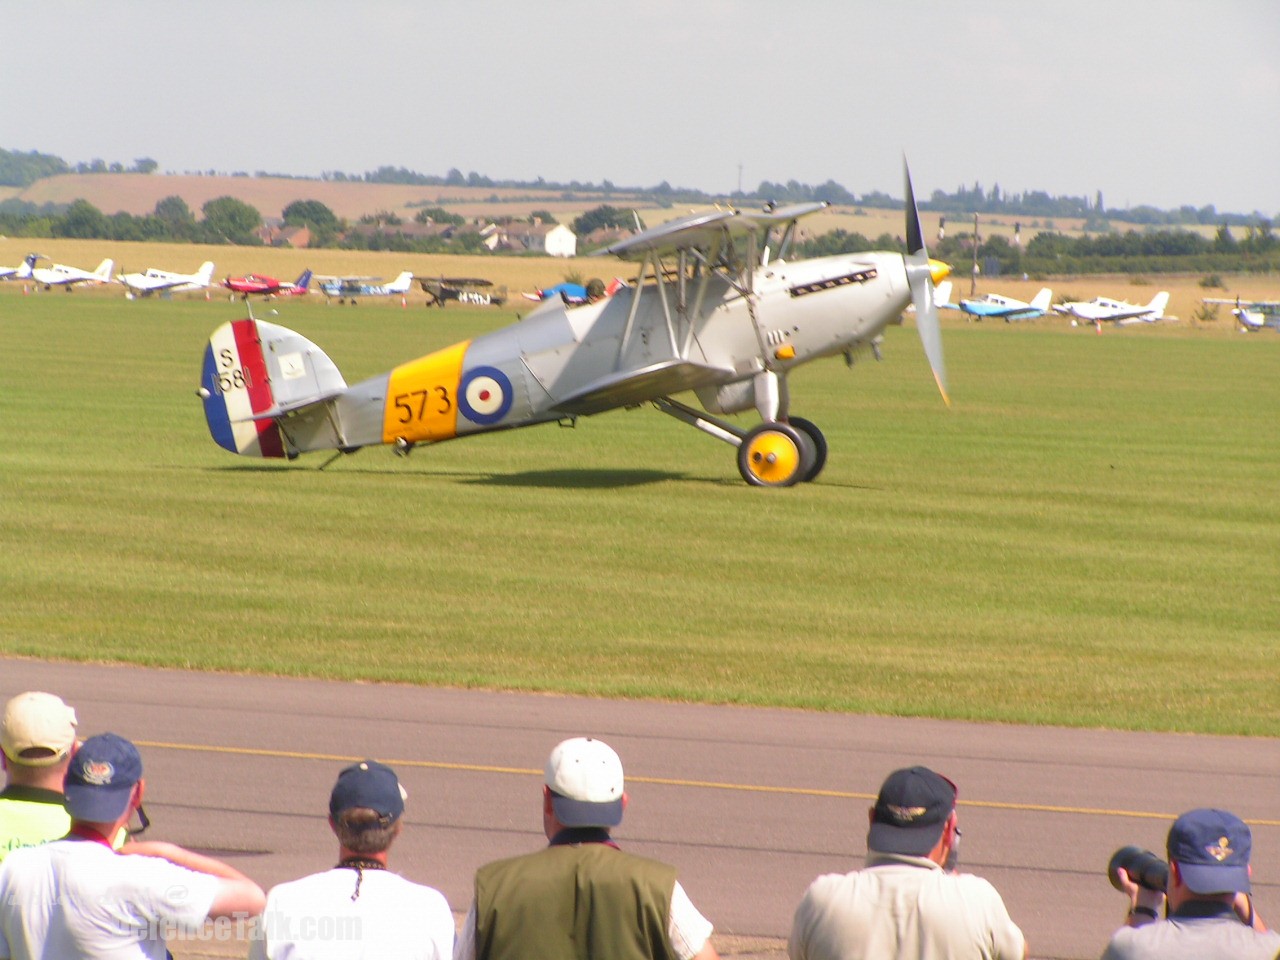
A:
<point x="22" y="169"/>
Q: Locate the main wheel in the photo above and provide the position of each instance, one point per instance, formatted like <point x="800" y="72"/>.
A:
<point x="809" y="430"/>
<point x="774" y="455"/>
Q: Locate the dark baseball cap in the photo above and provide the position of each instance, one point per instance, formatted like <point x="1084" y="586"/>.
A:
<point x="101" y="777"/>
<point x="370" y="785"/>
<point x="911" y="811"/>
<point x="1211" y="849"/>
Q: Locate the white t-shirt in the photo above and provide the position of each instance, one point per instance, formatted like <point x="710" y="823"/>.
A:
<point x="903" y="907"/>
<point x="315" y="918"/>
<point x="77" y="898"/>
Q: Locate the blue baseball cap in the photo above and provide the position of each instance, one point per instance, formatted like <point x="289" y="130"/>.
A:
<point x="369" y="785"/>
<point x="1211" y="849"/>
<point x="911" y="812"/>
<point x="101" y="777"/>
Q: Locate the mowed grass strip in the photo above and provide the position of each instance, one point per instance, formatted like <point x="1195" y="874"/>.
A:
<point x="1090" y="537"/>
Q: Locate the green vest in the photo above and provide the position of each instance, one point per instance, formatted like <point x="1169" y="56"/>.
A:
<point x="30" y="816"/>
<point x="585" y="901"/>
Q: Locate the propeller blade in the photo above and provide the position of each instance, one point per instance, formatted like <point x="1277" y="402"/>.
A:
<point x="922" y="274"/>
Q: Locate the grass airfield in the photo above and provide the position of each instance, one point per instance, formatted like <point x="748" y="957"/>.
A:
<point x="1090" y="537"/>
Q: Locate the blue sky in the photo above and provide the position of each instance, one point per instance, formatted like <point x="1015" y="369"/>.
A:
<point x="1162" y="102"/>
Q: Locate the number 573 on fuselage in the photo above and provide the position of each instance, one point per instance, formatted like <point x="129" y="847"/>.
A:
<point x="717" y="310"/>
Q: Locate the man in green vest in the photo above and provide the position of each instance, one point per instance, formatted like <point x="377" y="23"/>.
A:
<point x="582" y="898"/>
<point x="38" y="735"/>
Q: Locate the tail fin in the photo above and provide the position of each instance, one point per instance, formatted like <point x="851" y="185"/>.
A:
<point x="401" y="283"/>
<point x="205" y="273"/>
<point x="304" y="280"/>
<point x="1042" y="300"/>
<point x="24" y="271"/>
<point x="103" y="272"/>
<point x="253" y="374"/>
<point x="942" y="294"/>
<point x="1158" y="303"/>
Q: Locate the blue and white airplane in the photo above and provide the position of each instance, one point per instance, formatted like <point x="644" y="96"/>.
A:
<point x="995" y="306"/>
<point x="20" y="273"/>
<point x="1253" y="315"/>
<point x="349" y="288"/>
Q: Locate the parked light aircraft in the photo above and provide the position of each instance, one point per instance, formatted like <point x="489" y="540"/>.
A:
<point x="349" y="288"/>
<point x="166" y="281"/>
<point x="1253" y="315"/>
<point x="996" y="306"/>
<point x="1106" y="310"/>
<point x="474" y="290"/>
<point x="60" y="275"/>
<point x="716" y="309"/>
<point x="20" y="273"/>
<point x="260" y="283"/>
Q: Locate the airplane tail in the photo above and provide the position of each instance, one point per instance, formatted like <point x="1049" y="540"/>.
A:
<point x="942" y="295"/>
<point x="103" y="273"/>
<point x="24" y="271"/>
<point x="253" y="374"/>
<point x="1157" y="304"/>
<point x="304" y="280"/>
<point x="205" y="274"/>
<point x="401" y="283"/>
<point x="1042" y="300"/>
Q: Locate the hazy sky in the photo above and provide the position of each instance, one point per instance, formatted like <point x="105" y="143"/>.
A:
<point x="1162" y="102"/>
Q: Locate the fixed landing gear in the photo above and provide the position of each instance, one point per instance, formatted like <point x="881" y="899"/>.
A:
<point x="776" y="454"/>
<point x="772" y="454"/>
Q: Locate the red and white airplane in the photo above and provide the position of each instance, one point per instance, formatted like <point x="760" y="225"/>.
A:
<point x="262" y="285"/>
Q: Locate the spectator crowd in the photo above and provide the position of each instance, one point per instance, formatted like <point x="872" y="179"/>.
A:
<point x="78" y="881"/>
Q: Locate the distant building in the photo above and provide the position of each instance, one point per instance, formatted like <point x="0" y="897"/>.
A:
<point x="555" y="240"/>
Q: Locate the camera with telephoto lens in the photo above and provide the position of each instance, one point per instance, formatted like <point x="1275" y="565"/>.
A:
<point x="1145" y="868"/>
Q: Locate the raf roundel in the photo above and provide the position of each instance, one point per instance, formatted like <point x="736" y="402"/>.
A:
<point x="484" y="396"/>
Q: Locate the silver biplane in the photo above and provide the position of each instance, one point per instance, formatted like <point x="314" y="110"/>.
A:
<point x="717" y="310"/>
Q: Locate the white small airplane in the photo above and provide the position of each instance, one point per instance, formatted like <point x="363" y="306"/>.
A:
<point x="1106" y="310"/>
<point x="165" y="281"/>
<point x="60" y="275"/>
<point x="20" y="273"/>
<point x="995" y="305"/>
<point x="1253" y="315"/>
<point x="349" y="288"/>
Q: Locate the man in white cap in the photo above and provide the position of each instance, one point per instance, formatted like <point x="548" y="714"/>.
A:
<point x="582" y="897"/>
<point x="80" y="897"/>
<point x="358" y="908"/>
<point x="38" y="735"/>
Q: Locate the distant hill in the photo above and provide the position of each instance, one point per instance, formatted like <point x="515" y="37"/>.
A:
<point x="138" y="194"/>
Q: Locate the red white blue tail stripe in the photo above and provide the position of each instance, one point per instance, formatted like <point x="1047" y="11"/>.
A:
<point x="235" y="388"/>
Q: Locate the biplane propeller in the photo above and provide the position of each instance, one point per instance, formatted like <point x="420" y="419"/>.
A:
<point x="717" y="309"/>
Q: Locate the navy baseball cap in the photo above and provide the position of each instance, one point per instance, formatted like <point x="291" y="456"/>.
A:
<point x="911" y="811"/>
<point x="1211" y="849"/>
<point x="101" y="777"/>
<point x="370" y="785"/>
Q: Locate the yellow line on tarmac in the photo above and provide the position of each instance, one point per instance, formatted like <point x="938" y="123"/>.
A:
<point x="702" y="784"/>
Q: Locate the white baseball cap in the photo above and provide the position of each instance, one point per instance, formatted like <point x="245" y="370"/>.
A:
<point x="585" y="779"/>
<point x="38" y="729"/>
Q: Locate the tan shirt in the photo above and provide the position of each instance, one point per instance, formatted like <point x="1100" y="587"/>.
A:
<point x="903" y="908"/>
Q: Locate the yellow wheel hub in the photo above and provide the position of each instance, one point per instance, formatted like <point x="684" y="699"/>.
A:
<point x="772" y="457"/>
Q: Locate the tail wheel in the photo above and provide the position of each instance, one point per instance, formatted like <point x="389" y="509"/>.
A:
<point x="774" y="455"/>
<point x="809" y="430"/>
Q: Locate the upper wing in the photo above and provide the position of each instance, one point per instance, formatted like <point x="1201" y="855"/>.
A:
<point x="702" y="229"/>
